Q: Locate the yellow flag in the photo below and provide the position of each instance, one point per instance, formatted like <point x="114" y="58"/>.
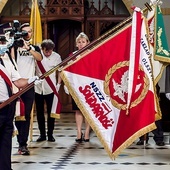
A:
<point x="35" y="23"/>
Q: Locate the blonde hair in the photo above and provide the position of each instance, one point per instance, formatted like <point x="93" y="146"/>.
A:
<point x="82" y="35"/>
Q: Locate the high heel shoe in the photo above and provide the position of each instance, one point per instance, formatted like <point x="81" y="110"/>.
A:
<point x="80" y="139"/>
<point x="86" y="140"/>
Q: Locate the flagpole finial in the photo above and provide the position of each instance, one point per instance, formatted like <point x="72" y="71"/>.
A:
<point x="148" y="6"/>
<point x="156" y="2"/>
<point x="159" y="2"/>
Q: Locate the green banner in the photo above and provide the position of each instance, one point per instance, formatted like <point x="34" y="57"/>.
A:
<point x="161" y="44"/>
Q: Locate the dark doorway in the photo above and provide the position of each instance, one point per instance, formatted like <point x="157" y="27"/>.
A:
<point x="64" y="33"/>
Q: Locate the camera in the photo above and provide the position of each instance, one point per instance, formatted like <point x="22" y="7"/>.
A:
<point x="18" y="34"/>
<point x="2" y="38"/>
<point x="4" y="28"/>
<point x="11" y="33"/>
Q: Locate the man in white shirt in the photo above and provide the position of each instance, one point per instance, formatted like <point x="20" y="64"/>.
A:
<point x="47" y="91"/>
<point x="25" y="56"/>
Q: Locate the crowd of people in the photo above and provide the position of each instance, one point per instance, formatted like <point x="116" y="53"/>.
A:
<point x="22" y="66"/>
<point x="10" y="75"/>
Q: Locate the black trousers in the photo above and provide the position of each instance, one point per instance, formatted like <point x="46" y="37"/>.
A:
<point x="39" y="101"/>
<point x="6" y="130"/>
<point x="158" y="132"/>
<point x="23" y="126"/>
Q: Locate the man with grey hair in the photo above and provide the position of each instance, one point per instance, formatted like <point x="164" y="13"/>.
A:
<point x="48" y="90"/>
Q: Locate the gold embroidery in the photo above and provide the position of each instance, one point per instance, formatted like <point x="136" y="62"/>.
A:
<point x="107" y="90"/>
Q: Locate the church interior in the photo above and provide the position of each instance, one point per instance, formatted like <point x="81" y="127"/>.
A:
<point x="62" y="20"/>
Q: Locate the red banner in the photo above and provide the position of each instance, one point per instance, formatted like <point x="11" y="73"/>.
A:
<point x="98" y="81"/>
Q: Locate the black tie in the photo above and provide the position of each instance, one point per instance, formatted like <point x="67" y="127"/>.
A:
<point x="8" y="87"/>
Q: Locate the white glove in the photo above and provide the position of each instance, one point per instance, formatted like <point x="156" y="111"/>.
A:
<point x="58" y="87"/>
<point x="35" y="79"/>
<point x="167" y="96"/>
<point x="66" y="90"/>
<point x="39" y="81"/>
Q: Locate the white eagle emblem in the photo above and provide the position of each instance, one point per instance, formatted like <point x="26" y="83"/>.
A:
<point x="121" y="89"/>
<point x="151" y="31"/>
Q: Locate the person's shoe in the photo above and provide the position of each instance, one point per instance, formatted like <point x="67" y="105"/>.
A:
<point x="141" y="142"/>
<point x="80" y="139"/>
<point x="23" y="150"/>
<point x="41" y="138"/>
<point x="86" y="140"/>
<point x="160" y="143"/>
<point x="51" y="139"/>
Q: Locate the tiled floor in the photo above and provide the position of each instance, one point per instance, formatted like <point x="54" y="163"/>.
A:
<point x="65" y="154"/>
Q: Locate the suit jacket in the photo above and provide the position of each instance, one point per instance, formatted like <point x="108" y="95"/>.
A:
<point x="167" y="79"/>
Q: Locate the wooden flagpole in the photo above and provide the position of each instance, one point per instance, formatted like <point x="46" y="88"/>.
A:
<point x="34" y="3"/>
<point x="31" y="122"/>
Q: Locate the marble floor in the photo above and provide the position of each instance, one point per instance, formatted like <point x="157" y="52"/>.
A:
<point x="66" y="154"/>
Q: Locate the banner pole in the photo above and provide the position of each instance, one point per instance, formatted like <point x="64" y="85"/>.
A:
<point x="31" y="122"/>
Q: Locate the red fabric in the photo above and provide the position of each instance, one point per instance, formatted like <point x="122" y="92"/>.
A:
<point x="58" y="109"/>
<point x="97" y="64"/>
<point x="22" y="107"/>
<point x="137" y="50"/>
<point x="5" y="78"/>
